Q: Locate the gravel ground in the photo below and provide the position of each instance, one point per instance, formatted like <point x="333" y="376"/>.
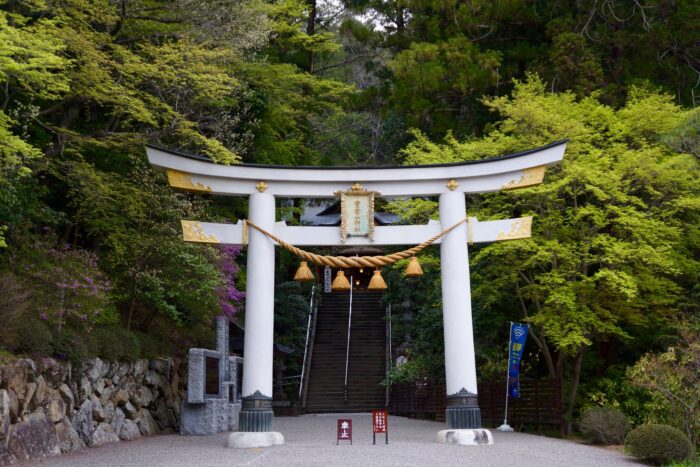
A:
<point x="310" y="441"/>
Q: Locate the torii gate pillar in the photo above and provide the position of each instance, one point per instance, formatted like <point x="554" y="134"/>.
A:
<point x="460" y="364"/>
<point x="256" y="411"/>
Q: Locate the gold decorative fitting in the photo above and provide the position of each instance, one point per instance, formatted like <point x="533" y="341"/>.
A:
<point x="261" y="186"/>
<point x="529" y="177"/>
<point x="193" y="231"/>
<point x="182" y="180"/>
<point x="452" y="184"/>
<point x="521" y="228"/>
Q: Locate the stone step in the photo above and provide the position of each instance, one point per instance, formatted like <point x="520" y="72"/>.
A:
<point x="366" y="365"/>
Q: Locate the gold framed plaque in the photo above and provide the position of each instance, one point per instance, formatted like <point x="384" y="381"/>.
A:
<point x="356" y="212"/>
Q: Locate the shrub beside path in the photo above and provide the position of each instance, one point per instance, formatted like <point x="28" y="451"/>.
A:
<point x="310" y="441"/>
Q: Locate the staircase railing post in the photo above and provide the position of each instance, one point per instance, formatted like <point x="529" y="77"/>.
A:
<point x="347" y="350"/>
<point x="389" y="358"/>
<point x="312" y="339"/>
<point x="306" y="344"/>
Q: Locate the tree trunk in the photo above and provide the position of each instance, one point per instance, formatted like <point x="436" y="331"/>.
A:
<point x="132" y="305"/>
<point x="310" y="31"/>
<point x="541" y="343"/>
<point x="573" y="390"/>
<point x="400" y="21"/>
<point x="61" y="303"/>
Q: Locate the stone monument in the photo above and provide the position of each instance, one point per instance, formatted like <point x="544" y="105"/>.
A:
<point x="213" y="403"/>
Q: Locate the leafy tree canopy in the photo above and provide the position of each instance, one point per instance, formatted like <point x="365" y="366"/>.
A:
<point x="615" y="225"/>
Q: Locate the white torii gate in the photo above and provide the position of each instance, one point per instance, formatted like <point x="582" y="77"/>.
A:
<point x="261" y="183"/>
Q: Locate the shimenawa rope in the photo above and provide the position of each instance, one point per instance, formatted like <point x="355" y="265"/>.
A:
<point x="350" y="261"/>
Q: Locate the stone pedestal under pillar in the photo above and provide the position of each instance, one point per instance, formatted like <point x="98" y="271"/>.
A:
<point x="255" y="424"/>
<point x="472" y="437"/>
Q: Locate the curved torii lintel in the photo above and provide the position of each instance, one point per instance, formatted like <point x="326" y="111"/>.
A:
<point x="195" y="173"/>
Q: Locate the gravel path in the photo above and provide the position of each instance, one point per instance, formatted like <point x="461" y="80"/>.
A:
<point x="310" y="441"/>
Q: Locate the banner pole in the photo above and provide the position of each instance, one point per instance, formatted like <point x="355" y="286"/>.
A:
<point x="505" y="426"/>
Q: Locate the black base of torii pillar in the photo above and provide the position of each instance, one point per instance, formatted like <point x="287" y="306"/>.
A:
<point x="256" y="413"/>
<point x="463" y="411"/>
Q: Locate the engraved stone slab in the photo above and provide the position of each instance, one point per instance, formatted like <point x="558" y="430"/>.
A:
<point x="195" y="377"/>
<point x="204" y="377"/>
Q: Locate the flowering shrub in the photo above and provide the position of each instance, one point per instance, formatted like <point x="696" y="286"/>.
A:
<point x="229" y="297"/>
<point x="69" y="287"/>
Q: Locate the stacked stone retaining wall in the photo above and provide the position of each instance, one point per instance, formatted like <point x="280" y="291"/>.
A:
<point x="49" y="407"/>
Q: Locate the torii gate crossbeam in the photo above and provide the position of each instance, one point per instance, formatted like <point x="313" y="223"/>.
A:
<point x="450" y="181"/>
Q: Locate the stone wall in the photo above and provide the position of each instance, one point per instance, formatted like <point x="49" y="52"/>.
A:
<point x="49" y="407"/>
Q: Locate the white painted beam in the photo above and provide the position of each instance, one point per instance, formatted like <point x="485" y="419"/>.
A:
<point x="478" y="232"/>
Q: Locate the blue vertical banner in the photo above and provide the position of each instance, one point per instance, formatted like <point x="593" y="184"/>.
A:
<point x="518" y="336"/>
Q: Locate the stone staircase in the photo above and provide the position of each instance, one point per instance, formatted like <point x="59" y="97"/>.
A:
<point x="366" y="367"/>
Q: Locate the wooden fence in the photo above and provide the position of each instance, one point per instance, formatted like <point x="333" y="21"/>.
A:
<point x="540" y="403"/>
<point x="423" y="399"/>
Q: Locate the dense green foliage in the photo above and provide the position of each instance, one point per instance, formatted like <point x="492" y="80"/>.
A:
<point x="614" y="246"/>
<point x="90" y="250"/>
<point x="673" y="379"/>
<point x="658" y="444"/>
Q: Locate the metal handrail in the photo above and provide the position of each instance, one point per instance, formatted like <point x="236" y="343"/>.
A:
<point x="347" y="350"/>
<point x="389" y="361"/>
<point x="308" y="332"/>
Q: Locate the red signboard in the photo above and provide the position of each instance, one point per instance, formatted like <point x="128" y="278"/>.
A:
<point x="344" y="430"/>
<point x="379" y="421"/>
<point x="380" y="424"/>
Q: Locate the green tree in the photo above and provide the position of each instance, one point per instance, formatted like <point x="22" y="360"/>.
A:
<point x="610" y="245"/>
<point x="673" y="381"/>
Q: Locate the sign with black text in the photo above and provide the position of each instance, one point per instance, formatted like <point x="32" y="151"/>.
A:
<point x="327" y="279"/>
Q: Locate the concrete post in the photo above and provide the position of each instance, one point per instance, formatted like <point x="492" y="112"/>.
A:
<point x="460" y="365"/>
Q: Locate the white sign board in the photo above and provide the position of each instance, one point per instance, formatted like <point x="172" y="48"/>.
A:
<point x="327" y="275"/>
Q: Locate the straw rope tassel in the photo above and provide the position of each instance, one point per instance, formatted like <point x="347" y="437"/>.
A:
<point x="303" y="273"/>
<point x="340" y="282"/>
<point x="413" y="268"/>
<point x="377" y="281"/>
<point x="354" y="262"/>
